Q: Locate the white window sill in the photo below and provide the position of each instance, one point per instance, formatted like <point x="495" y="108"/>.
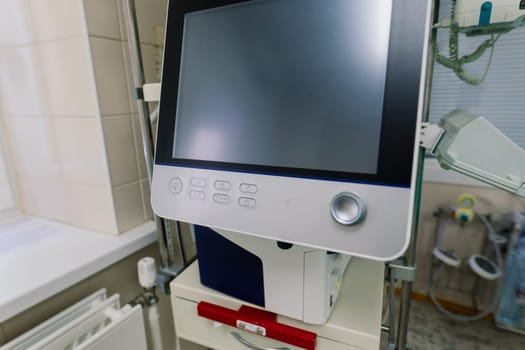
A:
<point x="55" y="258"/>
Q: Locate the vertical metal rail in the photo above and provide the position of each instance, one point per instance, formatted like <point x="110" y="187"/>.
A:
<point x="410" y="256"/>
<point x="136" y="64"/>
<point x="391" y="300"/>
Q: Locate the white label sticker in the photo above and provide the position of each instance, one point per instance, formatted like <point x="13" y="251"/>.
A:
<point x="250" y="327"/>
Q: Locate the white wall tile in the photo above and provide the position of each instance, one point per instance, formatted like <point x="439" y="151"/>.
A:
<point x="146" y="199"/>
<point x="68" y="77"/>
<point x="120" y="149"/>
<point x="49" y="93"/>
<point x="102" y="18"/>
<point x="110" y="76"/>
<point x="139" y="148"/>
<point x="32" y="141"/>
<point x="43" y="197"/>
<point x="15" y="23"/>
<point x="81" y="151"/>
<point x="91" y="207"/>
<point x="128" y="206"/>
<point x="22" y="89"/>
<point x="56" y="19"/>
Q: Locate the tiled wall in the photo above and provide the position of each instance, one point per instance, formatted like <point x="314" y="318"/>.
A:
<point x="109" y="48"/>
<point x="49" y="111"/>
<point x="72" y="129"/>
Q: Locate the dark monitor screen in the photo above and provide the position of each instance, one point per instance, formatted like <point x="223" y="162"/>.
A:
<point x="284" y="83"/>
<point x="300" y="88"/>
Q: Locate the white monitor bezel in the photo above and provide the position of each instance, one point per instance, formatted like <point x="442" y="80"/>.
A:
<point x="398" y="150"/>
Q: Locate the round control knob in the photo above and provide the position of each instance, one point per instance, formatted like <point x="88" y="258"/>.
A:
<point x="348" y="208"/>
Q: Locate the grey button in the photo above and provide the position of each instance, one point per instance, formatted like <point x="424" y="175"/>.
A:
<point x="222" y="185"/>
<point x="248" y="188"/>
<point x="221" y="198"/>
<point x="198" y="182"/>
<point x="175" y="185"/>
<point x="247" y="202"/>
<point x="197" y="195"/>
<point x="348" y="208"/>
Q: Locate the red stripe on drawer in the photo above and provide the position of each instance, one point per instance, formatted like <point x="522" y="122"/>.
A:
<point x="268" y="320"/>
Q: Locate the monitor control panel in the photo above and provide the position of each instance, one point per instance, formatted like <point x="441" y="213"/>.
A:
<point x="365" y="219"/>
<point x="219" y="191"/>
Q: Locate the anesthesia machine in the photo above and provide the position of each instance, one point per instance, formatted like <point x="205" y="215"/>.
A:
<point x="288" y="134"/>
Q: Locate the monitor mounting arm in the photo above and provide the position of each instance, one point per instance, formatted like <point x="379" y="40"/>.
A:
<point x="470" y="145"/>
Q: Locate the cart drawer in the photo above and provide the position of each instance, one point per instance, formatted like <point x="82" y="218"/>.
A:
<point x="190" y="326"/>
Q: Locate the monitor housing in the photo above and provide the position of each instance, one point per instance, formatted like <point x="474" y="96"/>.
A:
<point x="294" y="120"/>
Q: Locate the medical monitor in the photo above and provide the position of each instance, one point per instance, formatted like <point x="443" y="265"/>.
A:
<point x="294" y="120"/>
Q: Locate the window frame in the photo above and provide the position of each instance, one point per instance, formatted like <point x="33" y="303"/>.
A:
<point x="9" y="208"/>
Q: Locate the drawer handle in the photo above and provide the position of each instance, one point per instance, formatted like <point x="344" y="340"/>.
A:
<point x="243" y="341"/>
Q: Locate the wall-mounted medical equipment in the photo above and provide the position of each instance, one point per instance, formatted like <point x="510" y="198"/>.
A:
<point x="295" y="120"/>
<point x="447" y="265"/>
<point x="475" y="18"/>
<point x="291" y="280"/>
<point x="464" y="213"/>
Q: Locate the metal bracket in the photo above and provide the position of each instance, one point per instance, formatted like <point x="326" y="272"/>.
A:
<point x="147" y="92"/>
<point x="151" y="92"/>
<point x="430" y="135"/>
<point x="166" y="275"/>
<point x="137" y="93"/>
<point x="402" y="272"/>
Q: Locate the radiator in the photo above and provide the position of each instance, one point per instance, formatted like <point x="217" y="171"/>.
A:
<point x="97" y="322"/>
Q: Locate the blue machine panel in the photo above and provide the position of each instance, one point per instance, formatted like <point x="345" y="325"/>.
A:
<point x="228" y="268"/>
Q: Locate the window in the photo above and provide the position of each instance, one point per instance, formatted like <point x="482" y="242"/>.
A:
<point x="499" y="98"/>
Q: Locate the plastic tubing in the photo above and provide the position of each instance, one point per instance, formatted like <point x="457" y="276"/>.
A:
<point x="154" y="324"/>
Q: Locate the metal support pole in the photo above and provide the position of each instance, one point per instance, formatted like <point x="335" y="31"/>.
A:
<point x="391" y="297"/>
<point x="130" y="17"/>
<point x="410" y="256"/>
